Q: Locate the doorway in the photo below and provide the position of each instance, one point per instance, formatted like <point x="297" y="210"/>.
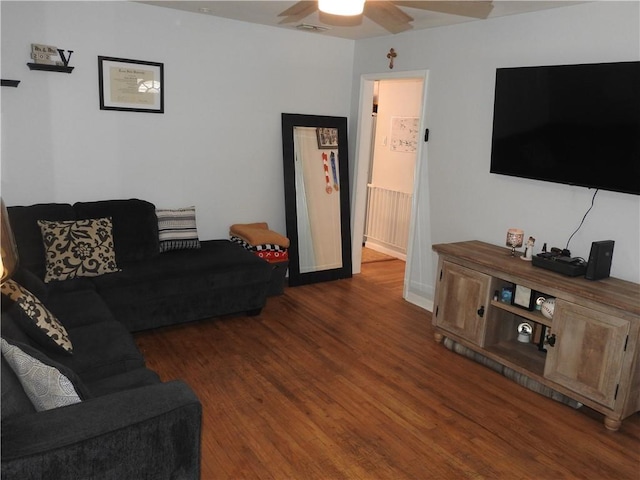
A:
<point x="388" y="152"/>
<point x="396" y="118"/>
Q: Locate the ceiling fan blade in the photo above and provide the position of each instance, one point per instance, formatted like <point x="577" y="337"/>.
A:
<point x="469" y="8"/>
<point x="388" y="16"/>
<point x="298" y="11"/>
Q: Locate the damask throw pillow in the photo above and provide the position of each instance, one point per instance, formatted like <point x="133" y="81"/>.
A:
<point x="47" y="384"/>
<point x="177" y="229"/>
<point x="80" y="248"/>
<point x="39" y="323"/>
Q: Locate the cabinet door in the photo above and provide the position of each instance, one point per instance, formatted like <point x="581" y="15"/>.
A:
<point x="588" y="351"/>
<point x="462" y="297"/>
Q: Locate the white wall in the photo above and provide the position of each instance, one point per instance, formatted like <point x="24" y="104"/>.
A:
<point x="465" y="201"/>
<point x="396" y="98"/>
<point x="217" y="146"/>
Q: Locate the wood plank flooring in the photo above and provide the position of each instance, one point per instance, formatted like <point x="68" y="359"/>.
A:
<point x="343" y="380"/>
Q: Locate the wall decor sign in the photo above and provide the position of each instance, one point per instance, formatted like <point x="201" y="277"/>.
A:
<point x="50" y="58"/>
<point x="45" y="55"/>
<point x="131" y="85"/>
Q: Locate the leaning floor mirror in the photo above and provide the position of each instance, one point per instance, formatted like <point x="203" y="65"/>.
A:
<point x="316" y="188"/>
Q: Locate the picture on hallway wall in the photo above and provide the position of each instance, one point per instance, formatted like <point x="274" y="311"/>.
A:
<point x="404" y="134"/>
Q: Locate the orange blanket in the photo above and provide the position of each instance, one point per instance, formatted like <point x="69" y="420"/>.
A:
<point x="258" y="234"/>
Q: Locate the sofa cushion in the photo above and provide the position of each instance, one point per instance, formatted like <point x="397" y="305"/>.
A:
<point x="47" y="384"/>
<point x="177" y="229"/>
<point x="81" y="248"/>
<point x="31" y="282"/>
<point x="102" y="345"/>
<point x="27" y="232"/>
<point x="135" y="226"/>
<point x="137" y="378"/>
<point x="219" y="259"/>
<point x="218" y="264"/>
<point x="79" y="308"/>
<point x="184" y="285"/>
<point x="12" y="318"/>
<point x="71" y="285"/>
<point x="102" y="349"/>
<point x="36" y="319"/>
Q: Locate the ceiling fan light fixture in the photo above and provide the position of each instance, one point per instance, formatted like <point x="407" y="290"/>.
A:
<point x="341" y="7"/>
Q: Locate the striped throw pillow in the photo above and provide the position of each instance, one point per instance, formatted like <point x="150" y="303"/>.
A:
<point x="177" y="229"/>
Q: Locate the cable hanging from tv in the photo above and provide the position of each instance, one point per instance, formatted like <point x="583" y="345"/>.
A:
<point x="593" y="199"/>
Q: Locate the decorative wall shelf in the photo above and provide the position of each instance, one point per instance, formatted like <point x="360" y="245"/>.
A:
<point x="50" y="68"/>
<point x="9" y="83"/>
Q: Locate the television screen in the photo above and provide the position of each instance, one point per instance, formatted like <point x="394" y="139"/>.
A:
<point x="573" y="124"/>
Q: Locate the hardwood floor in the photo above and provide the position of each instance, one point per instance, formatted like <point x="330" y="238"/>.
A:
<point x="343" y="380"/>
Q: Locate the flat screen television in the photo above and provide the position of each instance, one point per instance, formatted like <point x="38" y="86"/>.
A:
<point x="572" y="124"/>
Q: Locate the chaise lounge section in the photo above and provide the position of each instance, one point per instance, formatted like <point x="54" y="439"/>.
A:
<point x="151" y="289"/>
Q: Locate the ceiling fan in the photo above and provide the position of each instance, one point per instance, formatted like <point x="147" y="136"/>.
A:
<point x="387" y="14"/>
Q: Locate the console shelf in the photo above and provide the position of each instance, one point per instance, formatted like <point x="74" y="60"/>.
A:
<point x="533" y="316"/>
<point x="589" y="350"/>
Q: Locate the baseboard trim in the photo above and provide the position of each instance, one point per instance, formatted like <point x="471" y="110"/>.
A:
<point x="419" y="301"/>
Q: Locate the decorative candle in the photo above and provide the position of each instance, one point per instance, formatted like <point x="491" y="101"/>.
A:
<point x="515" y="237"/>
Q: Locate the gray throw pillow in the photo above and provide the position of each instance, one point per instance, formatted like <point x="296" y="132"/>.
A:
<point x="46" y="386"/>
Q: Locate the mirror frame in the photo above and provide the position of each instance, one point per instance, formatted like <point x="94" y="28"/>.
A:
<point x="290" y="120"/>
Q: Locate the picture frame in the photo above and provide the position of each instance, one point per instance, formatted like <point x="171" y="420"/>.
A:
<point x="506" y="294"/>
<point x="523" y="297"/>
<point x="130" y="85"/>
<point x="327" y="137"/>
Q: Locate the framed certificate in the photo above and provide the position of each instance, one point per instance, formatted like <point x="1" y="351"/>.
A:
<point x="131" y="85"/>
<point x="523" y="297"/>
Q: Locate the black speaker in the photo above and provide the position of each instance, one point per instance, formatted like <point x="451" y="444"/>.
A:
<point x="600" y="258"/>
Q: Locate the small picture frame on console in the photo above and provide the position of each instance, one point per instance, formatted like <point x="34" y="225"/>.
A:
<point x="523" y="297"/>
<point x="506" y="294"/>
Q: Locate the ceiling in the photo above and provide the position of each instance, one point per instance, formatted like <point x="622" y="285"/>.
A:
<point x="266" y="12"/>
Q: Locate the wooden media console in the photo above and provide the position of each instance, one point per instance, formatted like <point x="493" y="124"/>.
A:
<point x="588" y="351"/>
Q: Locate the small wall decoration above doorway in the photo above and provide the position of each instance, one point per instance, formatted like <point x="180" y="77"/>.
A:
<point x="391" y="55"/>
<point x="131" y="85"/>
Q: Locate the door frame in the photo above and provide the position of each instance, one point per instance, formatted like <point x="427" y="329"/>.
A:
<point x="362" y="163"/>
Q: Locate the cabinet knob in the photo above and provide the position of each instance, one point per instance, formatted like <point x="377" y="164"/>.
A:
<point x="481" y="311"/>
<point x="551" y="340"/>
